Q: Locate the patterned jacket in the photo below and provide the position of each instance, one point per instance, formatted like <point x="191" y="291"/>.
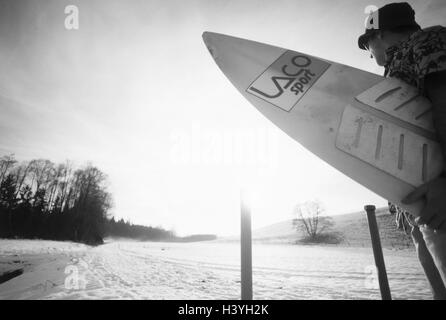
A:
<point x="411" y="60"/>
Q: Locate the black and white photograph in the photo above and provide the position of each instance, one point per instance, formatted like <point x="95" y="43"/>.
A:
<point x="222" y="150"/>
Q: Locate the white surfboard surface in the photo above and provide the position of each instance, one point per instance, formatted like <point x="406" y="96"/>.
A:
<point x="377" y="131"/>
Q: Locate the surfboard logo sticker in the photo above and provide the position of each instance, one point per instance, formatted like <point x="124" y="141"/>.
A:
<point x="288" y="79"/>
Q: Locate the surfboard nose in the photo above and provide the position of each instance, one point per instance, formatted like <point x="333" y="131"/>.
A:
<point x="223" y="48"/>
<point x="206" y="35"/>
<point x="209" y="41"/>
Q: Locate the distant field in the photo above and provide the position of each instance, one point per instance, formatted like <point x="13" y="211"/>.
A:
<point x="352" y="227"/>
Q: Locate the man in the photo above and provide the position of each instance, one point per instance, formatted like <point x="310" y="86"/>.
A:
<point x="418" y="57"/>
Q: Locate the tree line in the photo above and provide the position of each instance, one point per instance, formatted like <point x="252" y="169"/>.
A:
<point x="44" y="200"/>
<point x="124" y="229"/>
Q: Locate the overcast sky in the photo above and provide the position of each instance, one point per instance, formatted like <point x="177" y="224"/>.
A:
<point x="135" y="91"/>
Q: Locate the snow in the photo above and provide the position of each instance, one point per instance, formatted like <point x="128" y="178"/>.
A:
<point x="9" y="247"/>
<point x="202" y="270"/>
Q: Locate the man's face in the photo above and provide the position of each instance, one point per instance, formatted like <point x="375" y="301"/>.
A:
<point x="378" y="50"/>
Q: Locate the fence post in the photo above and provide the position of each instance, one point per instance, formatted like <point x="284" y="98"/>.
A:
<point x="378" y="253"/>
<point x="246" y="249"/>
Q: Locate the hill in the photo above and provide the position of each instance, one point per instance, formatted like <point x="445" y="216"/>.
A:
<point x="352" y="229"/>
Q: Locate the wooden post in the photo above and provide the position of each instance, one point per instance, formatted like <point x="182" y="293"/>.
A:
<point x="378" y="253"/>
<point x="246" y="249"/>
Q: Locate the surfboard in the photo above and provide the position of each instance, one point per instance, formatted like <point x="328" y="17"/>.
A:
<point x="378" y="131"/>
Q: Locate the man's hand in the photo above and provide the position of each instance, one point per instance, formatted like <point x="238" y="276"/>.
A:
<point x="434" y="211"/>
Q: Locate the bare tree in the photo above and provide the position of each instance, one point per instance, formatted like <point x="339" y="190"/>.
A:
<point x="309" y="218"/>
<point x="55" y="179"/>
<point x="60" y="191"/>
<point x="21" y="172"/>
<point x="7" y="162"/>
<point x="41" y="170"/>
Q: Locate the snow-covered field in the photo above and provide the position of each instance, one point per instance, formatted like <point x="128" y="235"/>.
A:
<point x="203" y="270"/>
